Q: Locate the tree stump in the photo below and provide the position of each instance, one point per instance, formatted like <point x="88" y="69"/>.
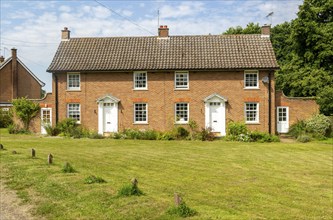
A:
<point x="1" y="147"/>
<point x="33" y="153"/>
<point x="50" y="159"/>
<point x="134" y="182"/>
<point x="178" y="199"/>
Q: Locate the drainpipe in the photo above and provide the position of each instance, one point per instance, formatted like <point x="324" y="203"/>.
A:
<point x="269" y="103"/>
<point x="56" y="98"/>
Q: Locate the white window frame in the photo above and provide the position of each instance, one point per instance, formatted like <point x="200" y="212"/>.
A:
<point x="135" y="73"/>
<point x="68" y="111"/>
<point x="180" y="87"/>
<point x="73" y="88"/>
<point x="256" y="121"/>
<point x="179" y="121"/>
<point x="134" y="113"/>
<point x="248" y="72"/>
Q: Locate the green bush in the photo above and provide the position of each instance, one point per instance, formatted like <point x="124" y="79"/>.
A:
<point x="6" y="119"/>
<point x="182" y="210"/>
<point x="14" y="129"/>
<point x="297" y="129"/>
<point x="68" y="168"/>
<point x="237" y="128"/>
<point x="257" y="136"/>
<point x="181" y="133"/>
<point x="206" y="134"/>
<point x="303" y="138"/>
<point x="52" y="130"/>
<point x="166" y="136"/>
<point x="67" y="126"/>
<point x="95" y="135"/>
<point x="93" y="179"/>
<point x="318" y="126"/>
<point x="130" y="190"/>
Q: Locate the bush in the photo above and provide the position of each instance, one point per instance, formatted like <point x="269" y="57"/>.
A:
<point x="6" y="119"/>
<point x="130" y="190"/>
<point x="52" y="130"/>
<point x="237" y="128"/>
<point x="95" y="135"/>
<point x="297" y="129"/>
<point x="181" y="133"/>
<point x="182" y="210"/>
<point x="318" y="126"/>
<point x="257" y="136"/>
<point x="14" y="129"/>
<point x="303" y="138"/>
<point x="68" y="168"/>
<point x="67" y="126"/>
<point x="206" y="134"/>
<point x="93" y="179"/>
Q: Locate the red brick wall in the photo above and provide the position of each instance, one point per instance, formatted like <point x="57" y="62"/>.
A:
<point x="299" y="108"/>
<point x="27" y="85"/>
<point x="161" y="97"/>
<point x="5" y="84"/>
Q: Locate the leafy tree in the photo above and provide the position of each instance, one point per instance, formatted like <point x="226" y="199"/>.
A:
<point x="251" y="28"/>
<point x="325" y="100"/>
<point x="26" y="110"/>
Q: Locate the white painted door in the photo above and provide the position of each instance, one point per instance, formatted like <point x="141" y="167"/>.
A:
<point x="46" y="119"/>
<point x="109" y="117"/>
<point x="282" y="119"/>
<point x="217" y="121"/>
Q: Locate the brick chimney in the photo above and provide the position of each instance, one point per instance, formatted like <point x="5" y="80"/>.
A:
<point x="14" y="73"/>
<point x="65" y="34"/>
<point x="266" y="30"/>
<point x="2" y="59"/>
<point x="163" y="31"/>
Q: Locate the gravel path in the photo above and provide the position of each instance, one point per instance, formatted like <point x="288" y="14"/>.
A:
<point x="11" y="207"/>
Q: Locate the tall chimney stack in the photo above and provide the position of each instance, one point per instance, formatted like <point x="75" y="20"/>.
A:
<point x="266" y="30"/>
<point x="14" y="73"/>
<point x="163" y="31"/>
<point x="65" y="34"/>
<point x="2" y="59"/>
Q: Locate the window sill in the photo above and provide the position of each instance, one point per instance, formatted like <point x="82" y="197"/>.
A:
<point x="180" y="89"/>
<point x="140" y="123"/>
<point x="73" y="90"/>
<point x="181" y="123"/>
<point x="252" y="123"/>
<point x="146" y="89"/>
<point x="249" y="88"/>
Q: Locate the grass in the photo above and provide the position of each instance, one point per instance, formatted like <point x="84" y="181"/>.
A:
<point x="219" y="180"/>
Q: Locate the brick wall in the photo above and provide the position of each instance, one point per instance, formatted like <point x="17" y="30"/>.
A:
<point x="161" y="97"/>
<point x="46" y="102"/>
<point x="299" y="108"/>
<point x="6" y="93"/>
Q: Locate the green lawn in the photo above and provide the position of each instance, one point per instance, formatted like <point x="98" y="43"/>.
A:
<point x="220" y="180"/>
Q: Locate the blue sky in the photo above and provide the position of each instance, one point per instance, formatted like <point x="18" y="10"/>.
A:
<point x="33" y="27"/>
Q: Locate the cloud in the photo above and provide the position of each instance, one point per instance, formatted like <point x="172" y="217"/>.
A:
<point x="64" y="8"/>
<point x="182" y="10"/>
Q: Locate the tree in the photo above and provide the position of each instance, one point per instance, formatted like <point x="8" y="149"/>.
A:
<point x="251" y="28"/>
<point x="325" y="100"/>
<point x="25" y="110"/>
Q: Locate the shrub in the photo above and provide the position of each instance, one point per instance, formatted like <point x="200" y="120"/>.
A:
<point x="166" y="136"/>
<point x="25" y="110"/>
<point x="130" y="190"/>
<point x="182" y="210"/>
<point x="206" y="134"/>
<point x="68" y="168"/>
<point x="6" y="119"/>
<point x="14" y="129"/>
<point x="318" y="125"/>
<point x="52" y="130"/>
<point x="303" y="138"/>
<point x="93" y="179"/>
<point x="181" y="132"/>
<point x="95" y="135"/>
<point x="67" y="126"/>
<point x="236" y="128"/>
<point x="257" y="136"/>
<point x="297" y="129"/>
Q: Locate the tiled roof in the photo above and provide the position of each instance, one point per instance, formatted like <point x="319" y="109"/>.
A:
<point x="173" y="53"/>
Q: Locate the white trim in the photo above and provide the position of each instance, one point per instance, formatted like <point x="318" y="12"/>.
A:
<point x="188" y="80"/>
<point x="140" y="88"/>
<point x="79" y="121"/>
<point x="277" y="119"/>
<point x="41" y="119"/>
<point x="188" y="113"/>
<point x="251" y="72"/>
<point x="6" y="104"/>
<point x="73" y="88"/>
<point x="134" y="119"/>
<point x="257" y="115"/>
<point x="223" y="101"/>
<point x="100" y="101"/>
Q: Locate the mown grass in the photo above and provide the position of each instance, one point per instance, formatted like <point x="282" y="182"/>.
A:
<point x="220" y="180"/>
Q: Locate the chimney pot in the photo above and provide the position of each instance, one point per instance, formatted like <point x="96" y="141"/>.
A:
<point x="14" y="53"/>
<point x="161" y="26"/>
<point x="165" y="26"/>
<point x="2" y="59"/>
<point x="65" y="34"/>
<point x="163" y="31"/>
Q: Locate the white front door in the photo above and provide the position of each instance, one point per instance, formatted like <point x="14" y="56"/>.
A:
<point x="282" y="119"/>
<point x="46" y="119"/>
<point x="217" y="116"/>
<point x="109" y="117"/>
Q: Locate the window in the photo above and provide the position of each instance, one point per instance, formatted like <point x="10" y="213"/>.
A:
<point x="140" y="113"/>
<point x="73" y="81"/>
<point x="252" y="112"/>
<point x="140" y="80"/>
<point x="182" y="112"/>
<point x="251" y="79"/>
<point x="181" y="80"/>
<point x="73" y="111"/>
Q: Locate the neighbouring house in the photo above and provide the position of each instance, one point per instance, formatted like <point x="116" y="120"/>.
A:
<point x="111" y="83"/>
<point x="16" y="80"/>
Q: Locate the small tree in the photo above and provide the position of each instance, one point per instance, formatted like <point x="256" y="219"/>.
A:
<point x="25" y="110"/>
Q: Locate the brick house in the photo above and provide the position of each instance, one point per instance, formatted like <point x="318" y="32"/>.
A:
<point x="16" y="80"/>
<point x="109" y="84"/>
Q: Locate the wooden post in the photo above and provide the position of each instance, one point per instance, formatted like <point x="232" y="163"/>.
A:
<point x="33" y="153"/>
<point x="134" y="182"/>
<point x="178" y="199"/>
<point x="1" y="147"/>
<point x="50" y="159"/>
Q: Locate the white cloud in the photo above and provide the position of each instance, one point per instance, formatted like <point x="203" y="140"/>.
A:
<point x="22" y="14"/>
<point x="182" y="10"/>
<point x="64" y="8"/>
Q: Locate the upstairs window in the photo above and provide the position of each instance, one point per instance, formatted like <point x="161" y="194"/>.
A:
<point x="252" y="112"/>
<point x="182" y="113"/>
<point x="181" y="80"/>
<point x="73" y="81"/>
<point x="140" y="113"/>
<point x="140" y="80"/>
<point x="251" y="79"/>
<point x="74" y="111"/>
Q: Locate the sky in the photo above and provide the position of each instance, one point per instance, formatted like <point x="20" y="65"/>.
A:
<point x="34" y="27"/>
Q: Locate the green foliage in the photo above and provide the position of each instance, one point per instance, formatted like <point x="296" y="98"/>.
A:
<point x="6" y="118"/>
<point x="257" y="136"/>
<point x="136" y="134"/>
<point x="67" y="126"/>
<point x="94" y="179"/>
<point x="52" y="130"/>
<point x="297" y="129"/>
<point x="318" y="126"/>
<point x="237" y="128"/>
<point x="68" y="168"/>
<point x="182" y="210"/>
<point x="325" y="100"/>
<point x="206" y="134"/>
<point x="303" y="138"/>
<point x="181" y="133"/>
<point x="251" y="28"/>
<point x="95" y="135"/>
<point x="130" y="190"/>
<point x="14" y="129"/>
<point x="25" y="110"/>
